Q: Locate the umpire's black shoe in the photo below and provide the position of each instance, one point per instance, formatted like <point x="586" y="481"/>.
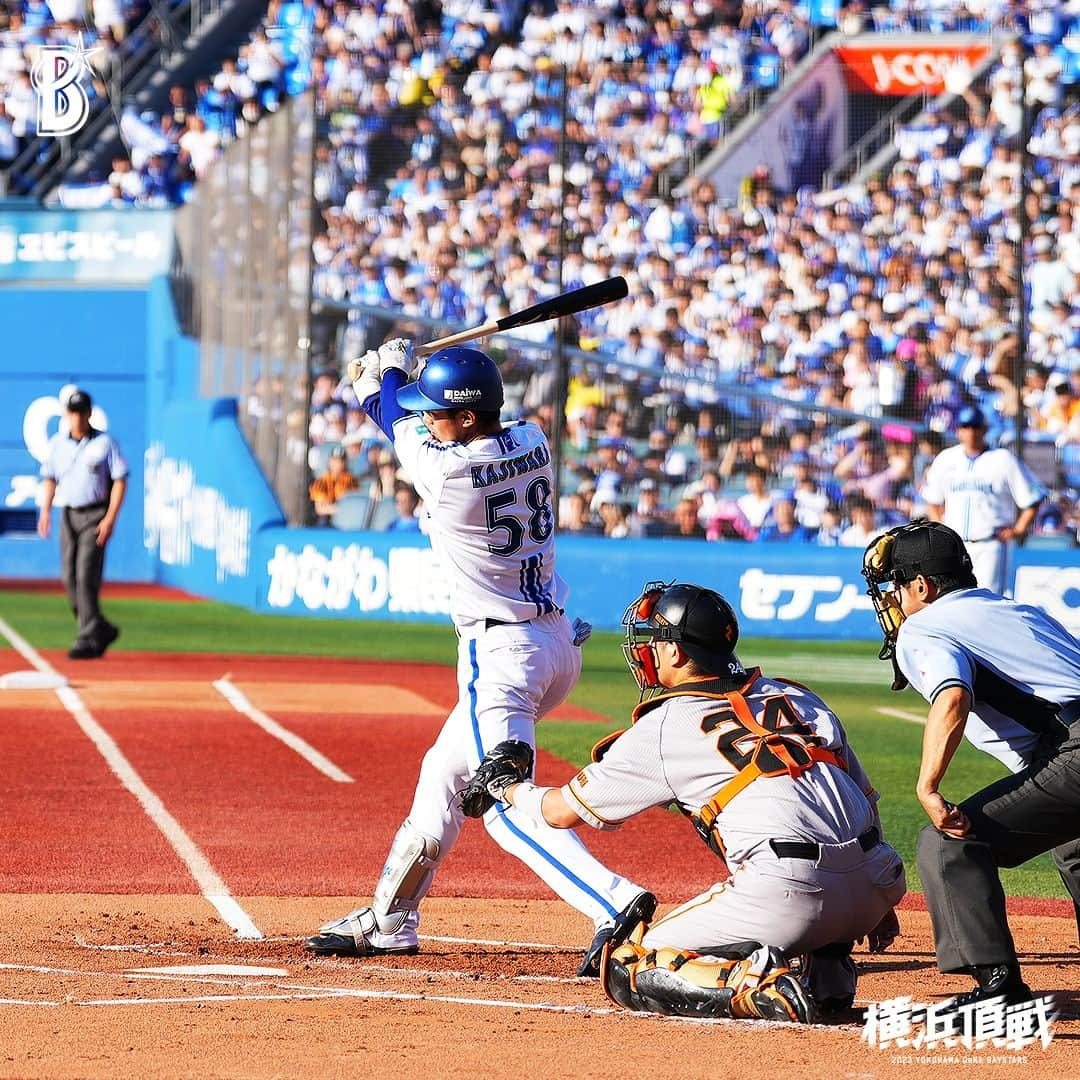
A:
<point x="108" y="636"/>
<point x="84" y="650"/>
<point x="995" y="981"/>
<point x="640" y="909"/>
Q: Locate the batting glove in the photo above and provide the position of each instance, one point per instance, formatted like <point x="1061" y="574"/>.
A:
<point x="582" y="632"/>
<point x="365" y="375"/>
<point x="397" y="353"/>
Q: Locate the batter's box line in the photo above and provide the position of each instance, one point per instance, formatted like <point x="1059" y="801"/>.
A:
<point x="150" y="948"/>
<point x="290" y="938"/>
<point x="323" y="993"/>
<point x="340" y="964"/>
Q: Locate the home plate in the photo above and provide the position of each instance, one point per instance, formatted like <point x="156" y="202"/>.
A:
<point x="209" y="969"/>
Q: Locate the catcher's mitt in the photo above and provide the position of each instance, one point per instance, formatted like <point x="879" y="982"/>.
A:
<point x="508" y="763"/>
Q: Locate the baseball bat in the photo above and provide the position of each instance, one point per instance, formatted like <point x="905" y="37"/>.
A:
<point x="568" y="303"/>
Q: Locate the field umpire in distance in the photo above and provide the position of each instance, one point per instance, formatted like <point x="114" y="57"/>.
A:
<point x="1008" y="676"/>
<point x="85" y="473"/>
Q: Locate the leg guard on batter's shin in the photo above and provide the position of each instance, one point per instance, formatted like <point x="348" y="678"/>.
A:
<point x="406" y="877"/>
<point x="674" y="982"/>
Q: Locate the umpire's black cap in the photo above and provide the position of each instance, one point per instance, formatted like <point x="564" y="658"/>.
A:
<point x="927" y="547"/>
<point x="79" y="401"/>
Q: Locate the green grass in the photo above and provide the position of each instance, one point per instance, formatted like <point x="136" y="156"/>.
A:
<point x="844" y="674"/>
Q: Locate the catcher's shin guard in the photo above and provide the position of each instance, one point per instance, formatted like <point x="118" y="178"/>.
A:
<point x="678" y="983"/>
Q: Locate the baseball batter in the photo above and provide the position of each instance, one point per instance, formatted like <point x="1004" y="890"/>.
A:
<point x="1007" y="676"/>
<point x="488" y="490"/>
<point x="763" y="768"/>
<point x="986" y="495"/>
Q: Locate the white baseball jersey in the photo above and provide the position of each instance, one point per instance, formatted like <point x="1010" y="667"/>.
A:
<point x="687" y="744"/>
<point x="492" y="525"/>
<point x="980" y="494"/>
<point x="1017" y="663"/>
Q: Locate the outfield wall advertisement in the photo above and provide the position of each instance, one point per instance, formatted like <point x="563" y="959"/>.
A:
<point x="213" y="527"/>
<point x="797" y="591"/>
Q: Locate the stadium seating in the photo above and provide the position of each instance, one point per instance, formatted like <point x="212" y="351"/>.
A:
<point x="352" y="511"/>
<point x="866" y="315"/>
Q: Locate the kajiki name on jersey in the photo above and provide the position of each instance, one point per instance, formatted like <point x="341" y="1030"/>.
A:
<point x="499" y="471"/>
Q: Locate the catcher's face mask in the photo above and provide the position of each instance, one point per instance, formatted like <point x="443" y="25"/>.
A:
<point x="641" y="635"/>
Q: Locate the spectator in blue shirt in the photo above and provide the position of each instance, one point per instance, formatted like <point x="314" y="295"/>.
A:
<point x="407" y="504"/>
<point x="784" y="526"/>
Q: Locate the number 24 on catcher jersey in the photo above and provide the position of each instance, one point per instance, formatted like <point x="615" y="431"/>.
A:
<point x="685" y="746"/>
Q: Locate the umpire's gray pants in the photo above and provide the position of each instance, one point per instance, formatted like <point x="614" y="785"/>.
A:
<point x="82" y="563"/>
<point x="1012" y="820"/>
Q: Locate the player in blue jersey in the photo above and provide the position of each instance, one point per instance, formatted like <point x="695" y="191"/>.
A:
<point x="1007" y="676"/>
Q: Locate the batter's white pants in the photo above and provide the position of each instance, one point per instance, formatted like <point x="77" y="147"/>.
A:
<point x="509" y="677"/>
<point x="796" y="905"/>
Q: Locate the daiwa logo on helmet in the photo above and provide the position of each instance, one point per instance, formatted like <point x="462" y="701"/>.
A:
<point x="462" y="397"/>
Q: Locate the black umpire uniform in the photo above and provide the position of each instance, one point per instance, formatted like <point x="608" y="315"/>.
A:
<point x="1007" y="676"/>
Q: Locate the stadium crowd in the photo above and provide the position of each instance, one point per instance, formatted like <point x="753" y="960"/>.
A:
<point x="105" y="30"/>
<point x="893" y="299"/>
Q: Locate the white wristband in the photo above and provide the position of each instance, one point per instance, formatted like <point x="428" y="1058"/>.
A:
<point x="529" y="799"/>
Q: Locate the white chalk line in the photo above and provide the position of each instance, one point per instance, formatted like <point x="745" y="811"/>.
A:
<point x="903" y="714"/>
<point x="151" y="948"/>
<point x="206" y="877"/>
<point x="345" y="964"/>
<point x="502" y="944"/>
<point x="297" y="991"/>
<point x="292" y="938"/>
<point x="470" y="976"/>
<point x="239" y="701"/>
<point x="26" y="650"/>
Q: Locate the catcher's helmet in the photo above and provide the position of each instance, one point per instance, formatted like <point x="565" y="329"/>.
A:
<point x="699" y="619"/>
<point x="455" y="378"/>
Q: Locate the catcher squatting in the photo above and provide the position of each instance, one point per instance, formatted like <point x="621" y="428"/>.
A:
<point x="763" y="769"/>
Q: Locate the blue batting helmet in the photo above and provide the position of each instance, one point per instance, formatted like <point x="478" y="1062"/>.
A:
<point x="455" y="378"/>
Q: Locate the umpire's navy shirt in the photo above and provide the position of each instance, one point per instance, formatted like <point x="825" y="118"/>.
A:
<point x="84" y="469"/>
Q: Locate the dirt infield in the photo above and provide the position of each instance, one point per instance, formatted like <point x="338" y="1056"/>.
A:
<point x="135" y="986"/>
<point x="113" y="964"/>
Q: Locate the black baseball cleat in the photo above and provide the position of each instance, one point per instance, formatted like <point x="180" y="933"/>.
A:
<point x="357" y="934"/>
<point x="995" y="981"/>
<point x="346" y="945"/>
<point x="640" y="909"/>
<point x="92" y="650"/>
<point x="785" y="999"/>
